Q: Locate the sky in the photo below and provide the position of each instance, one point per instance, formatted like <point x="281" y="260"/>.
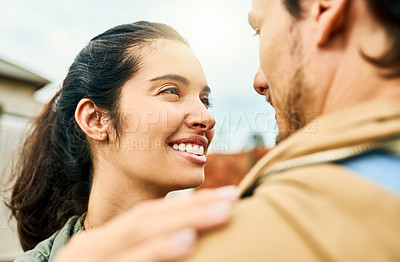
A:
<point x="44" y="36"/>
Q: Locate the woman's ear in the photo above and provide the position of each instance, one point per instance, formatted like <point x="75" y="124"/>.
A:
<point x="329" y="17"/>
<point x="91" y="120"/>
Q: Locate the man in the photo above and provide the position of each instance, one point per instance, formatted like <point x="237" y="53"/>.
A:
<point x="330" y="189"/>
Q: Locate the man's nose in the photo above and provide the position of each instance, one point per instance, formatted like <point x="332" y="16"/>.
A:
<point x="260" y="83"/>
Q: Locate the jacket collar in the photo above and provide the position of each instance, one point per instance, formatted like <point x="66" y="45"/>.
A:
<point x="365" y="122"/>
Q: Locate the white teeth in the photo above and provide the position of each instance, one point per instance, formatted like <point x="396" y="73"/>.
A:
<point x="182" y="147"/>
<point x="201" y="150"/>
<point x="193" y="149"/>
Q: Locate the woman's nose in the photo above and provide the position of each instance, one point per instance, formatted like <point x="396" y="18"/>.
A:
<point x="260" y="83"/>
<point x="200" y="119"/>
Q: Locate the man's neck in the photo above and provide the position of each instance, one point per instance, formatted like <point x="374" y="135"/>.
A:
<point x="358" y="81"/>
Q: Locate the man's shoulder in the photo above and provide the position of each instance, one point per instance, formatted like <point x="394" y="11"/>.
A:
<point x="46" y="249"/>
<point x="378" y="166"/>
<point x="318" y="212"/>
<point x="331" y="182"/>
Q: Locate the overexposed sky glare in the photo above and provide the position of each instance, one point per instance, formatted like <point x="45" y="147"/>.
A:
<point x="44" y="36"/>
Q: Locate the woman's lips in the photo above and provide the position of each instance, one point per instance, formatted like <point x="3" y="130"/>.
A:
<point x="192" y="148"/>
<point x="196" y="159"/>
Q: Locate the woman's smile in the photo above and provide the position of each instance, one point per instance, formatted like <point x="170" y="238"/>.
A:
<point x="191" y="148"/>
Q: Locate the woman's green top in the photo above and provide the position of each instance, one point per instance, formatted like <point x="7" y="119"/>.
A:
<point x="46" y="250"/>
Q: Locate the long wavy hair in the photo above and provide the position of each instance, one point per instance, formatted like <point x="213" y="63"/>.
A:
<point x="52" y="176"/>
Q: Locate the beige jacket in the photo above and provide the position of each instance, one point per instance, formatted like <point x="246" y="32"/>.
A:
<point x="306" y="208"/>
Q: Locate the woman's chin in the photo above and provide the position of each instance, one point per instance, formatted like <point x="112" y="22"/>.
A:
<point x="190" y="182"/>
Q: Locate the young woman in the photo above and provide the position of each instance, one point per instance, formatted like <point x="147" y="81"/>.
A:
<point x="130" y="123"/>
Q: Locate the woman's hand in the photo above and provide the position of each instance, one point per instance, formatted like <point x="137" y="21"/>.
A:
<point x="156" y="230"/>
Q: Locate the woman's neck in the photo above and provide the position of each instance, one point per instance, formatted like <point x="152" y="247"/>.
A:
<point x="110" y="195"/>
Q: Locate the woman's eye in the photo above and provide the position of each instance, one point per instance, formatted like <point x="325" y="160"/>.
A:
<point x="173" y="91"/>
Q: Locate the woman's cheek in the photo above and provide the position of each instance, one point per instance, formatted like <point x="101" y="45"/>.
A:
<point x="173" y="119"/>
<point x="210" y="135"/>
<point x="131" y="121"/>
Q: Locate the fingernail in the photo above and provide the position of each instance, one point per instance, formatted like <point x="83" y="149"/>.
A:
<point x="184" y="239"/>
<point x="227" y="193"/>
<point x="219" y="211"/>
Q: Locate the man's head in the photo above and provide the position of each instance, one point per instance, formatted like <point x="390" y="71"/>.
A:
<point x="319" y="56"/>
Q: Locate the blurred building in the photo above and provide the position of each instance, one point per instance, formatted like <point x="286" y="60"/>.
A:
<point x="229" y="169"/>
<point x="17" y="107"/>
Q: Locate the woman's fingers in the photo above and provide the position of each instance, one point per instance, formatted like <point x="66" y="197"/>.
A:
<point x="201" y="217"/>
<point x="162" y="248"/>
<point x="202" y="210"/>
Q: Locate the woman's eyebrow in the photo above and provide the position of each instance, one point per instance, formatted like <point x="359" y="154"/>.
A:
<point x="179" y="78"/>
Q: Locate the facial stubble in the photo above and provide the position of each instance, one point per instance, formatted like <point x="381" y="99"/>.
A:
<point x="295" y="113"/>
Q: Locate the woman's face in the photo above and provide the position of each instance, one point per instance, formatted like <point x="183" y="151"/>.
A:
<point x="166" y="127"/>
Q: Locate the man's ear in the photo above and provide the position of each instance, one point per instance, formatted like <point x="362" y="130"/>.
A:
<point x="91" y="120"/>
<point x="329" y="17"/>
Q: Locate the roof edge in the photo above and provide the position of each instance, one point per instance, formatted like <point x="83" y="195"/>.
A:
<point x="15" y="72"/>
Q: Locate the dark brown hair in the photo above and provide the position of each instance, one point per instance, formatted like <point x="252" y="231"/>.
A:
<point x="387" y="13"/>
<point x="52" y="177"/>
